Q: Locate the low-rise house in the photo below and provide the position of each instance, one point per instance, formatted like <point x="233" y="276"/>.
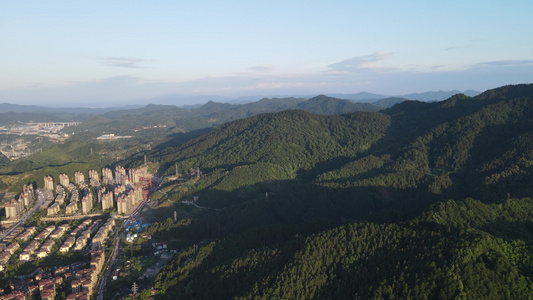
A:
<point x="24" y="236"/>
<point x="12" y="248"/>
<point x="32" y="246"/>
<point x="81" y="242"/>
<point x="21" y="284"/>
<point x="81" y="227"/>
<point x="7" y="253"/>
<point x="25" y="256"/>
<point x="83" y="295"/>
<point x="69" y="242"/>
<point x="61" y="271"/>
<point x="45" y="233"/>
<point x="60" y="231"/>
<point x="46" y="248"/>
<point x="15" y="295"/>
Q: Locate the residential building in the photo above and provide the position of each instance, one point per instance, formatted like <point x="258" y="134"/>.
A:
<point x="107" y="200"/>
<point x="71" y="208"/>
<point x="87" y="204"/>
<point x="64" y="180"/>
<point x="107" y="175"/>
<point x="78" y="177"/>
<point x="49" y="183"/>
<point x="69" y="242"/>
<point x="59" y="232"/>
<point x="14" y="208"/>
<point x="53" y="209"/>
<point x="93" y="175"/>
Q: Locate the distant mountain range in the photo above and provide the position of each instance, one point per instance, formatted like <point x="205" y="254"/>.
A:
<point x="212" y="113"/>
<point x="370" y="97"/>
<point x="172" y="99"/>
<point x="16" y="108"/>
<point x="13" y="113"/>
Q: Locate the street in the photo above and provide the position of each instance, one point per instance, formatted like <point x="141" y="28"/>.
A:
<point x="103" y="283"/>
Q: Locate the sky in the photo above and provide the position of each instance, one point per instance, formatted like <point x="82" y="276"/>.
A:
<point x="107" y="53"/>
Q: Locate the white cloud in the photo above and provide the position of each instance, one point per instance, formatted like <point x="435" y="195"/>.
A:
<point x="507" y="63"/>
<point x="361" y="64"/>
<point x="263" y="68"/>
<point x="124" y="62"/>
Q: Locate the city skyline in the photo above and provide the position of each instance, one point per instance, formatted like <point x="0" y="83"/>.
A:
<point x="105" y="54"/>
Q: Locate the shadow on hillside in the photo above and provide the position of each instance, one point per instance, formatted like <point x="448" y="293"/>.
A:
<point x="510" y="230"/>
<point x="220" y="284"/>
<point x="292" y="202"/>
<point x="324" y="166"/>
<point x="180" y="138"/>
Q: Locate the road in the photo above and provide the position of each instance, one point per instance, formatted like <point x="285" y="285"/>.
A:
<point x="110" y="267"/>
<point x="103" y="283"/>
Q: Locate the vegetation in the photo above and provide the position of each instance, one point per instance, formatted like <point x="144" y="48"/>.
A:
<point x="418" y="201"/>
<point x="420" y="259"/>
<point x="393" y="171"/>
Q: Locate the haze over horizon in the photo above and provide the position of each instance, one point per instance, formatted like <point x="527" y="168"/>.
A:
<point x="119" y="53"/>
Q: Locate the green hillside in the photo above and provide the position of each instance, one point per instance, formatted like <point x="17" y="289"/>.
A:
<point x="358" y="205"/>
<point x="455" y="250"/>
<point x="461" y="147"/>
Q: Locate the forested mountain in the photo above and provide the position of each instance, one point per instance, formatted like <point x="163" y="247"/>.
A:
<point x="463" y="146"/>
<point x="456" y="250"/>
<point x="368" y="205"/>
<point x="332" y="106"/>
<point x="389" y="102"/>
<point x="179" y="121"/>
<point x="212" y="113"/>
<point x="438" y="95"/>
<point x="365" y="97"/>
<point x="152" y="126"/>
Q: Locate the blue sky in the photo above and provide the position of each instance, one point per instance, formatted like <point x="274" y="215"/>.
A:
<point x="103" y="53"/>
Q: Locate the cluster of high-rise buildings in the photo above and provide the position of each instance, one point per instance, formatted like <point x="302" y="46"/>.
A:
<point x="15" y="207"/>
<point x="122" y="188"/>
<point x="127" y="200"/>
